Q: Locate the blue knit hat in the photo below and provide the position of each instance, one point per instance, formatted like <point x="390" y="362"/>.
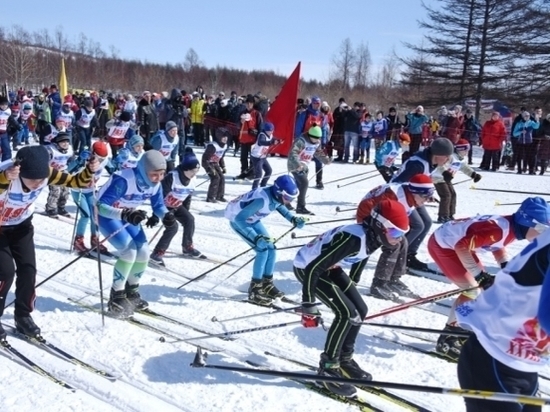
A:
<point x="189" y="160"/>
<point x="268" y="127"/>
<point x="533" y="211"/>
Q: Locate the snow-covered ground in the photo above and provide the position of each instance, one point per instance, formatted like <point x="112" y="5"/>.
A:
<point x="156" y="376"/>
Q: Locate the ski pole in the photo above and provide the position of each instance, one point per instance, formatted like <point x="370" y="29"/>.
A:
<point x="231" y="333"/>
<point x="290" y="247"/>
<point x="250" y="260"/>
<point x="356" y="181"/>
<point x="201" y="183"/>
<point x="497" y="203"/>
<point x="271" y="312"/>
<point x="294" y="236"/>
<point x="338" y="210"/>
<point x="95" y="222"/>
<point x="116" y="232"/>
<point x="75" y="220"/>
<point x="331" y="221"/>
<point x="203" y="275"/>
<point x="462" y="181"/>
<point x="349" y="177"/>
<point x="510" y="191"/>
<point x="421" y="301"/>
<point x="415" y="329"/>
<point x="200" y="362"/>
<point x="156" y="234"/>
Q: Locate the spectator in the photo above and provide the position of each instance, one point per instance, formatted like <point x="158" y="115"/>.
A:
<point x="147" y="119"/>
<point x="413" y="124"/>
<point x="493" y="134"/>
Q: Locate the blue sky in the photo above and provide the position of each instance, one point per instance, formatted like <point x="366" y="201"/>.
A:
<point x="242" y="34"/>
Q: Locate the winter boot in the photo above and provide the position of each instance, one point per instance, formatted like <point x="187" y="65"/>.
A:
<point x="211" y="200"/>
<point x="119" y="306"/>
<point x="221" y="199"/>
<point x="331" y="367"/>
<point x="78" y="244"/>
<point x="26" y="326"/>
<point x="156" y="257"/>
<point x="381" y="289"/>
<point x="190" y="252"/>
<point x="402" y="289"/>
<point x="350" y="368"/>
<point x="304" y="211"/>
<point x="257" y="295"/>
<point x="415" y="264"/>
<point x="51" y="213"/>
<point x="443" y="219"/>
<point x="134" y="297"/>
<point x="94" y="241"/>
<point x="63" y="212"/>
<point x="320" y="185"/>
<point x="449" y="345"/>
<point x="270" y="289"/>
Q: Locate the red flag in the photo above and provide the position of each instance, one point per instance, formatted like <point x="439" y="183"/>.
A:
<point x="282" y="113"/>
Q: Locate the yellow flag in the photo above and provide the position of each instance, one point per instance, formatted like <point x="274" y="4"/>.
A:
<point x="63" y="88"/>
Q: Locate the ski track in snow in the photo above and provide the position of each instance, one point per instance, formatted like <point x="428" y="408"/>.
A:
<point x="157" y="376"/>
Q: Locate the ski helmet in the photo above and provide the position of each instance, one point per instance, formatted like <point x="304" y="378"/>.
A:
<point x="388" y="217"/>
<point x="534" y="213"/>
<point x="285" y="189"/>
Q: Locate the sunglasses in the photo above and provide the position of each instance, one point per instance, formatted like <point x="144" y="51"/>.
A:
<point x="288" y="197"/>
<point x="391" y="230"/>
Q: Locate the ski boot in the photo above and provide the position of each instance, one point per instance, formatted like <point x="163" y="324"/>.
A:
<point x="350" y="369"/>
<point x="94" y="241"/>
<point x="270" y="289"/>
<point x="402" y="289"/>
<point x="119" y="306"/>
<point x="415" y="264"/>
<point x="63" y="212"/>
<point x="78" y="244"/>
<point x="26" y="326"/>
<point x="156" y="257"/>
<point x="190" y="252"/>
<point x="449" y="345"/>
<point x="134" y="297"/>
<point x="3" y="334"/>
<point x="331" y="367"/>
<point x="257" y="295"/>
<point x="381" y="289"/>
<point x="304" y="211"/>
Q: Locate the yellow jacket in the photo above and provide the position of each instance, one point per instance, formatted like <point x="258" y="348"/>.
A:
<point x="197" y="111"/>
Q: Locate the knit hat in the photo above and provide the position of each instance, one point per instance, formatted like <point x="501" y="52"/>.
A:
<point x="125" y="116"/>
<point x="268" y="127"/>
<point x="315" y="132"/>
<point x="3" y="100"/>
<point x="421" y="184"/>
<point x="462" y="145"/>
<point x="394" y="212"/>
<point x="189" y="161"/>
<point x="442" y="147"/>
<point x="34" y="162"/>
<point x="135" y="140"/>
<point x="152" y="160"/>
<point x="315" y="99"/>
<point x="100" y="149"/>
<point x="533" y="212"/>
<point x="62" y="137"/>
<point x="170" y="125"/>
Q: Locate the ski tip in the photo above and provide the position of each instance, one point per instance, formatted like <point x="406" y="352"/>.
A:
<point x="200" y="359"/>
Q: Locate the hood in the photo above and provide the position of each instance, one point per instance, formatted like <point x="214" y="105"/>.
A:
<point x="175" y="93"/>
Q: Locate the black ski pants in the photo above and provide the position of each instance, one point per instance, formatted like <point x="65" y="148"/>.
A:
<point x="392" y="262"/>
<point x="303" y="183"/>
<point x="490" y="160"/>
<point x="261" y="167"/>
<point x="17" y="257"/>
<point x="336" y="290"/>
<point x="478" y="370"/>
<point x="186" y="219"/>
<point x="420" y="223"/>
<point x="216" y="189"/>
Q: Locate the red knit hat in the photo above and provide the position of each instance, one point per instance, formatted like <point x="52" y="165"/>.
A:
<point x="394" y="212"/>
<point x="100" y="149"/>
<point x="421" y="184"/>
<point x="462" y="145"/>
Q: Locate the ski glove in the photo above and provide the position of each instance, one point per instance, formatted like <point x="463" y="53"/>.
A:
<point x="133" y="216"/>
<point x="263" y="242"/>
<point x="503" y="265"/>
<point x="85" y="155"/>
<point x="477" y="177"/>
<point x="152" y="221"/>
<point x="485" y="280"/>
<point x="169" y="219"/>
<point x="212" y="173"/>
<point x="299" y="221"/>
<point x="447" y="176"/>
<point x="253" y="132"/>
<point x="311" y="317"/>
<point x="224" y="170"/>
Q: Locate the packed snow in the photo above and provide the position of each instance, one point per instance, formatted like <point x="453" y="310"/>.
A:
<point x="156" y="376"/>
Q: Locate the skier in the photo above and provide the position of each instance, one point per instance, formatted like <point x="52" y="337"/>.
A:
<point x="511" y="328"/>
<point x="443" y="176"/>
<point x="20" y="186"/>
<point x="387" y="153"/>
<point x="119" y="130"/>
<point x="454" y="246"/>
<point x="258" y="155"/>
<point x="118" y="199"/>
<point x="305" y="148"/>
<point x="178" y="187"/>
<point x="245" y="214"/>
<point x="60" y="153"/>
<point x="386" y="283"/>
<point x="86" y="122"/>
<point x="85" y="199"/>
<point x="425" y="162"/>
<point x="130" y="154"/>
<point x="166" y="142"/>
<point x="214" y="164"/>
<point x="317" y="266"/>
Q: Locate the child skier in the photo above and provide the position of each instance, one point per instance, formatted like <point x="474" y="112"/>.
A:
<point x="443" y="176"/>
<point x="214" y="164"/>
<point x="258" y="155"/>
<point x="166" y="142"/>
<point x="60" y="152"/>
<point x="365" y="139"/>
<point x="20" y="186"/>
<point x="178" y="187"/>
<point x="86" y="122"/>
<point x="129" y="155"/>
<point x="118" y="199"/>
<point x="387" y="153"/>
<point x="119" y="131"/>
<point x="317" y="267"/>
<point x="85" y="199"/>
<point x="245" y="214"/>
<point x="454" y="247"/>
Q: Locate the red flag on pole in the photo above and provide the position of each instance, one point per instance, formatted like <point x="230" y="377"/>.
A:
<point x="282" y="113"/>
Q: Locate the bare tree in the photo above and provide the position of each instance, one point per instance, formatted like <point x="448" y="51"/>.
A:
<point x="362" y="67"/>
<point x="342" y="65"/>
<point x="191" y="60"/>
